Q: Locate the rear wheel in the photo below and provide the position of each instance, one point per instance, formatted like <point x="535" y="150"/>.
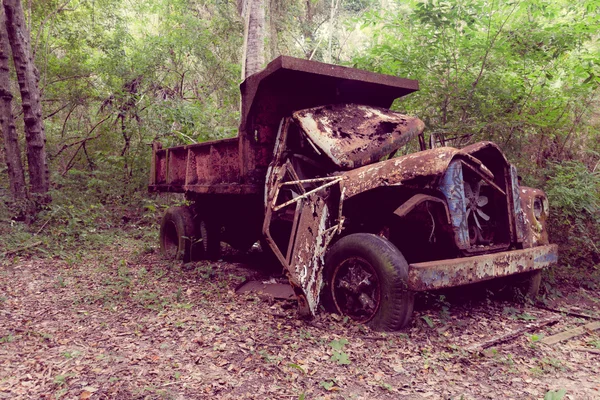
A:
<point x="186" y="236"/>
<point x="177" y="233"/>
<point x="365" y="279"/>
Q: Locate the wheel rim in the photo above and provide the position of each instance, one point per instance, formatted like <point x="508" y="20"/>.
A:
<point x="170" y="241"/>
<point x="356" y="290"/>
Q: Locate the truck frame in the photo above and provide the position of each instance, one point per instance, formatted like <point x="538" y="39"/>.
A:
<point x="315" y="175"/>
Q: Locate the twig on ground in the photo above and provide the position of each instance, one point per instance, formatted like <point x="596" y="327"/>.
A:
<point x="18" y="249"/>
<point x="513" y="335"/>
<point x="568" y="312"/>
<point x="43" y="226"/>
<point x="593" y="351"/>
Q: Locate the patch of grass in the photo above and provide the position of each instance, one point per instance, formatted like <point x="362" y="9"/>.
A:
<point x="7" y="339"/>
<point x="555" y="395"/>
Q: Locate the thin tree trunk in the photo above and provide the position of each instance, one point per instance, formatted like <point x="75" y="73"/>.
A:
<point x="254" y="43"/>
<point x="18" y="35"/>
<point x="16" y="175"/>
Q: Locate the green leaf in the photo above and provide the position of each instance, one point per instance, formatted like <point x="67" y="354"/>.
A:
<point x="340" y="357"/>
<point x="558" y="395"/>
<point x="338" y="344"/>
<point x="428" y="321"/>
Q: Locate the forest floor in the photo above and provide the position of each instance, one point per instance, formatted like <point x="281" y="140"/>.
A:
<point x="120" y="323"/>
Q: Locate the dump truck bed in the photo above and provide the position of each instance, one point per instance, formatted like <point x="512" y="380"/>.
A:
<point x="238" y="165"/>
<point x="209" y="167"/>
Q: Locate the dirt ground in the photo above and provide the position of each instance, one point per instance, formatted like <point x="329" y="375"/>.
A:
<point x="122" y="324"/>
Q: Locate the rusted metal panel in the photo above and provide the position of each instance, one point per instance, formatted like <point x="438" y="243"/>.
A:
<point x="452" y="186"/>
<point x="520" y="224"/>
<point x="309" y="248"/>
<point x="417" y="199"/>
<point x="354" y="135"/>
<point x="487" y="148"/>
<point x="289" y="84"/>
<point x="423" y="169"/>
<point x="461" y="271"/>
<point x="534" y="204"/>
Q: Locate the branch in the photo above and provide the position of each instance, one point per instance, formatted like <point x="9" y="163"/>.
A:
<point x="41" y="28"/>
<point x="513" y="335"/>
<point x="56" y="112"/>
<point x="66" y="146"/>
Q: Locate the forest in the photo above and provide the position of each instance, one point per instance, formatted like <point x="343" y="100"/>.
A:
<point x="88" y="86"/>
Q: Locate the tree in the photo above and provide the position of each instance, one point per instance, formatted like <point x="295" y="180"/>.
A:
<point x="253" y="11"/>
<point x="12" y="152"/>
<point x="27" y="75"/>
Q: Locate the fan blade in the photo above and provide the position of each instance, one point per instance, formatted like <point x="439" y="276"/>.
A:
<point x="468" y="191"/>
<point x="483" y="215"/>
<point x="477" y="188"/>
<point x="482" y="201"/>
<point x="476" y="220"/>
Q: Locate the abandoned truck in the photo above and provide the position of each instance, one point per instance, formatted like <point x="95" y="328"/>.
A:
<point x="314" y="174"/>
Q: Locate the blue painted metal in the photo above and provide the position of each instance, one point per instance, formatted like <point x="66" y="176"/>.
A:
<point x="520" y="224"/>
<point x="452" y="186"/>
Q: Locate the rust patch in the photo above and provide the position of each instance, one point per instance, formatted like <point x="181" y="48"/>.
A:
<point x="462" y="271"/>
<point x="428" y="166"/>
<point x="534" y="204"/>
<point x="355" y="135"/>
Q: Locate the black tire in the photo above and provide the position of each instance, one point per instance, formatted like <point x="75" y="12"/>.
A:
<point x="383" y="302"/>
<point x="527" y="285"/>
<point x="208" y="245"/>
<point x="522" y="287"/>
<point x="177" y="233"/>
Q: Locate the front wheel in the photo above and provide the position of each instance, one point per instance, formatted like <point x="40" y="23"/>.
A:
<point x="365" y="279"/>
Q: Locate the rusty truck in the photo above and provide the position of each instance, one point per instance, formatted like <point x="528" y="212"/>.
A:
<point x="317" y="173"/>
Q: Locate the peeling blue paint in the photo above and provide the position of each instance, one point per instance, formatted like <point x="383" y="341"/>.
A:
<point x="518" y="210"/>
<point x="452" y="186"/>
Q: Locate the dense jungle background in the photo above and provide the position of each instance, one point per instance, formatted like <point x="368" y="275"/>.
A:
<point x="116" y="75"/>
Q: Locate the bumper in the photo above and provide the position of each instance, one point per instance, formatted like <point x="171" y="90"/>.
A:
<point x="462" y="271"/>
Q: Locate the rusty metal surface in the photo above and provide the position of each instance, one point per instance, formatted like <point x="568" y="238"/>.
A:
<point x="209" y="167"/>
<point x="461" y="271"/>
<point x="276" y="290"/>
<point x="310" y="244"/>
<point x="289" y="84"/>
<point x="417" y="199"/>
<point x="452" y="186"/>
<point x="314" y="83"/>
<point x="423" y="169"/>
<point x="535" y="233"/>
<point x="354" y="135"/>
<point x="313" y="224"/>
<point x="485" y="147"/>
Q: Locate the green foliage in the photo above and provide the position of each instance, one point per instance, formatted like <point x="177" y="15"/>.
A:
<point x="555" y="395"/>
<point x="574" y="195"/>
<point x="339" y="356"/>
<point x="522" y="74"/>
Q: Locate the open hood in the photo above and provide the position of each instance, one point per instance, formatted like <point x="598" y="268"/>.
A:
<point x="354" y="135"/>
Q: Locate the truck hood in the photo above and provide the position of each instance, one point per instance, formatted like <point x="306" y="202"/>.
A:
<point x="423" y="169"/>
<point x="353" y="135"/>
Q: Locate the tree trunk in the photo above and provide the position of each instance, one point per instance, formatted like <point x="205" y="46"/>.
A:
<point x="254" y="41"/>
<point x="18" y="35"/>
<point x="16" y="175"/>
